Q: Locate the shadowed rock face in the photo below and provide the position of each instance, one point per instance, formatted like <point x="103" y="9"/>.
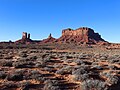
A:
<point x="80" y="35"/>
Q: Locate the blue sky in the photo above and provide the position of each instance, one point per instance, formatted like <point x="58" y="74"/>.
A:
<point x="42" y="17"/>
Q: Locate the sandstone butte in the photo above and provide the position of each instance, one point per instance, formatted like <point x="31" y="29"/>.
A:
<point x="83" y="35"/>
<point x="25" y="39"/>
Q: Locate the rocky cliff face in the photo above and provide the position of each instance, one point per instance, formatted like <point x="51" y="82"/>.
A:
<point x="80" y="35"/>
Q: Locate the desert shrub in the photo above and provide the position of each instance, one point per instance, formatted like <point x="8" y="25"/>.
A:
<point x="69" y="56"/>
<point x="32" y="58"/>
<point x="38" y="65"/>
<point x="2" y="75"/>
<point x="114" y="57"/>
<point x="50" y="69"/>
<point x="34" y="74"/>
<point x="69" y="61"/>
<point x="62" y="57"/>
<point x="14" y="77"/>
<point x="7" y="85"/>
<point x="41" y="79"/>
<point x="113" y="71"/>
<point x="89" y="46"/>
<point x="111" y="79"/>
<point x="52" y="82"/>
<point x="60" y="71"/>
<point x="7" y="63"/>
<point x="25" y="85"/>
<point x="8" y="56"/>
<point x="23" y="59"/>
<point x="39" y="59"/>
<point x="103" y="57"/>
<point x="65" y="70"/>
<point x="80" y="70"/>
<point x="82" y="57"/>
<point x="33" y="51"/>
<point x="87" y="63"/>
<point x="17" y="75"/>
<point x="23" y="51"/>
<point x="105" y="74"/>
<point x="97" y="67"/>
<point x="65" y="56"/>
<point x="112" y="67"/>
<point x="41" y="62"/>
<point x="79" y="62"/>
<point x="93" y="85"/>
<point x="81" y="77"/>
<point x="95" y="63"/>
<point x="1" y="55"/>
<point x="23" y="54"/>
<point x="20" y="71"/>
<point x="97" y="60"/>
<point x="51" y="85"/>
<point x="57" y="65"/>
<point x="44" y="59"/>
<point x="85" y="56"/>
<point x="114" y="61"/>
<point x="23" y="64"/>
<point x="80" y="74"/>
<point x="85" y="67"/>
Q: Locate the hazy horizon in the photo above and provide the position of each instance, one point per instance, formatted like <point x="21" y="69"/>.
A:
<point x="42" y="17"/>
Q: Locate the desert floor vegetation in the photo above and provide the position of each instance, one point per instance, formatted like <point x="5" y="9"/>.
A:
<point x="46" y="68"/>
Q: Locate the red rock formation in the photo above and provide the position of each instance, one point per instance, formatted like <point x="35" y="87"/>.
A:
<point x="25" y="39"/>
<point x="24" y="35"/>
<point x="80" y="35"/>
<point x="49" y="39"/>
<point x="29" y="36"/>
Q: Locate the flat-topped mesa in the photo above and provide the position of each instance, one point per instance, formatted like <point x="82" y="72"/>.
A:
<point x="80" y="35"/>
<point x="76" y="32"/>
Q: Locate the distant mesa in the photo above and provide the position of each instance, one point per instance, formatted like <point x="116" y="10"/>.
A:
<point x="83" y="35"/>
<point x="80" y="35"/>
